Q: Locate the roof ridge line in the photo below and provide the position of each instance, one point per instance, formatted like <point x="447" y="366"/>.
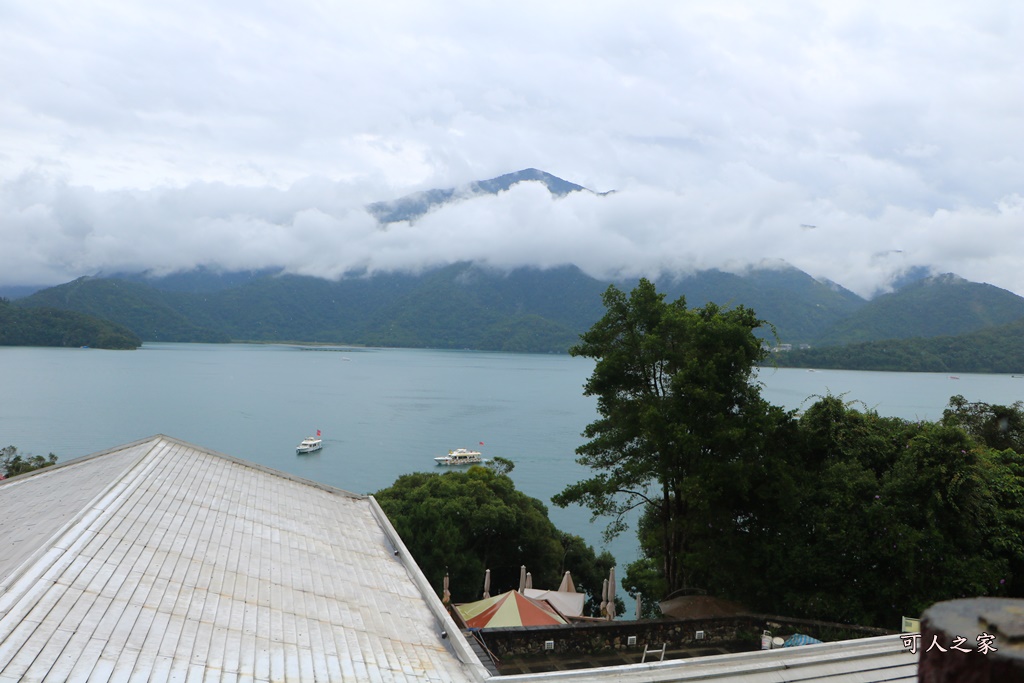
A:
<point x="35" y="567"/>
<point x="268" y="470"/>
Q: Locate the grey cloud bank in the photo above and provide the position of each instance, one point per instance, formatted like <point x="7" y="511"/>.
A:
<point x="244" y="136"/>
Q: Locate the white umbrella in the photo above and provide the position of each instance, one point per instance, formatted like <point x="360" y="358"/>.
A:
<point x="639" y="610"/>
<point x="487" y="584"/>
<point x="529" y="580"/>
<point x="567" y="585"/>
<point x="522" y="578"/>
<point x="447" y="595"/>
<point x="611" y="593"/>
<point x="604" y="598"/>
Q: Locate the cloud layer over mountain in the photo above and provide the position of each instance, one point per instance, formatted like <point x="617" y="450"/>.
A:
<point x="853" y="142"/>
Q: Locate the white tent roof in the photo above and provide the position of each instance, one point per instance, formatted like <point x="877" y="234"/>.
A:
<point x="569" y="604"/>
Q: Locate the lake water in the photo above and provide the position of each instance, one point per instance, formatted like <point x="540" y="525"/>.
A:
<point x="383" y="412"/>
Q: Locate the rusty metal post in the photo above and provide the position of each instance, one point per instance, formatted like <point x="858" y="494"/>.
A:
<point x="975" y="640"/>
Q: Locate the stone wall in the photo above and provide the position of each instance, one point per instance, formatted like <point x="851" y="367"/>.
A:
<point x="737" y="633"/>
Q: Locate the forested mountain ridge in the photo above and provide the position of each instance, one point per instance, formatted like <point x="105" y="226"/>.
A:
<point x="997" y="349"/>
<point x="941" y="305"/>
<point x="53" y="327"/>
<point x="468" y="306"/>
<point x="146" y="311"/>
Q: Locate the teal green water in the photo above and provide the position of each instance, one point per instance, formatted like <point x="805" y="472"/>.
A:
<point x="383" y="412"/>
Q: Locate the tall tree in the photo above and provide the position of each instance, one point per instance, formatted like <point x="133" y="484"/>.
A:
<point x="679" y="415"/>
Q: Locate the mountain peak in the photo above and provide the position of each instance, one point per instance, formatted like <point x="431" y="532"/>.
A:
<point x="555" y="185"/>
<point x="412" y="206"/>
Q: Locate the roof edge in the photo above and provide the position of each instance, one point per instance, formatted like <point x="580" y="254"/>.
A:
<point x="449" y="629"/>
<point x="78" y="461"/>
<point x="265" y="469"/>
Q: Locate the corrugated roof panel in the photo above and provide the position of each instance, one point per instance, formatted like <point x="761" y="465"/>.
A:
<point x="32" y="518"/>
<point x="188" y="570"/>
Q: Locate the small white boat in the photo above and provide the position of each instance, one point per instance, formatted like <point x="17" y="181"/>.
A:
<point x="460" y="456"/>
<point x="310" y="444"/>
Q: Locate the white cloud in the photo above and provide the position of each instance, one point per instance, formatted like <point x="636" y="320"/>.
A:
<point x="245" y="135"/>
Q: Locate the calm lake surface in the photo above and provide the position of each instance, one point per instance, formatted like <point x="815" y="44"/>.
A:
<point x="383" y="412"/>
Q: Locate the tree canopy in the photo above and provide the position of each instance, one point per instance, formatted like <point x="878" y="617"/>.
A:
<point x="863" y="520"/>
<point x="13" y="463"/>
<point x="996" y="426"/>
<point x="464" y="523"/>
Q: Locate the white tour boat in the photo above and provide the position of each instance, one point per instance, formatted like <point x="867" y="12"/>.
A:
<point x="460" y="456"/>
<point x="310" y="444"/>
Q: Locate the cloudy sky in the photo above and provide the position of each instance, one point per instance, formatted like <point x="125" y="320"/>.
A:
<point x="853" y="140"/>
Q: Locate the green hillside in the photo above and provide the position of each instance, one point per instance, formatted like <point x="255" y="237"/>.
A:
<point x="937" y="306"/>
<point x="52" y="327"/>
<point x="139" y="307"/>
<point x="991" y="350"/>
<point x="798" y="305"/>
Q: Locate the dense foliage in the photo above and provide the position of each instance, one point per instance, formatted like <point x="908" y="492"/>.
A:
<point x="464" y="523"/>
<point x="51" y="327"/>
<point x="865" y="519"/>
<point x="997" y="427"/>
<point x="13" y="463"/>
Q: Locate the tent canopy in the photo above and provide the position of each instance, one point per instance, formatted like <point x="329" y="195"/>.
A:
<point x="508" y="609"/>
<point x="569" y="604"/>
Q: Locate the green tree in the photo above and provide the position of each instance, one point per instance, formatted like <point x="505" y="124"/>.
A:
<point x="679" y="417"/>
<point x="13" y="464"/>
<point x="464" y="523"/>
<point x="998" y="427"/>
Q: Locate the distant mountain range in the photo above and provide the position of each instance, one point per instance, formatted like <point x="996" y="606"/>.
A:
<point x="464" y="305"/>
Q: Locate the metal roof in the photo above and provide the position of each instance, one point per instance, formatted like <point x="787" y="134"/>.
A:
<point x="161" y="560"/>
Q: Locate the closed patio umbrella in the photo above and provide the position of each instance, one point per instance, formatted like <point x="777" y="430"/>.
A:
<point x="487" y="583"/>
<point x="522" y="578"/>
<point x="447" y="595"/>
<point x="567" y="586"/>
<point x="604" y="599"/>
<point x="529" y="580"/>
<point x="611" y="593"/>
